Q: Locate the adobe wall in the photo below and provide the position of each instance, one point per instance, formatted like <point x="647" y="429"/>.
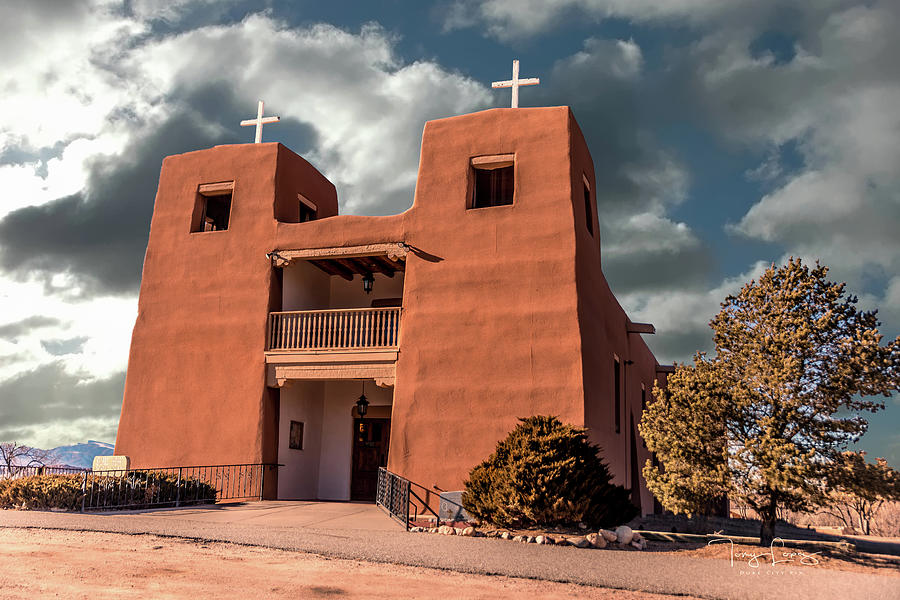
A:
<point x="604" y="336"/>
<point x="195" y="387"/>
<point x="489" y="331"/>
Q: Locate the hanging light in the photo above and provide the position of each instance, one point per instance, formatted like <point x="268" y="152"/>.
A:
<point x="362" y="405"/>
<point x="368" y="282"/>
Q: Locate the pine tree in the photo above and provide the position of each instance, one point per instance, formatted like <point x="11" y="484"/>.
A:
<point x="770" y="414"/>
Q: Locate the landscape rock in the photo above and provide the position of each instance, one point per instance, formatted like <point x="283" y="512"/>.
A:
<point x="540" y="540"/>
<point x="636" y="545"/>
<point x="607" y="535"/>
<point x="468" y="532"/>
<point x="446" y="530"/>
<point x="624" y="534"/>
<point x="582" y="526"/>
<point x="458" y="530"/>
<point x="504" y="535"/>
<point x="529" y="540"/>
<point x="519" y="538"/>
<point x="596" y="540"/>
<point x="578" y="542"/>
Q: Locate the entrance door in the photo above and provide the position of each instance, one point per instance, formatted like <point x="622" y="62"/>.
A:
<point x="370" y="451"/>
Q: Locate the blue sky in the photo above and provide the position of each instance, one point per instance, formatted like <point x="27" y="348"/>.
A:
<point x="727" y="135"/>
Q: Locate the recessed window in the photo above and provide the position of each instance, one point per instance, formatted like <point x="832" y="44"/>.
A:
<point x="588" y="206"/>
<point x="296" y="439"/>
<point x="308" y="210"/>
<point x="212" y="208"/>
<point x="493" y="181"/>
<point x="617" y="393"/>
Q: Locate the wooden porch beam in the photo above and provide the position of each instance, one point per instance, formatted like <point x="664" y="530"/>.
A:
<point x="333" y="268"/>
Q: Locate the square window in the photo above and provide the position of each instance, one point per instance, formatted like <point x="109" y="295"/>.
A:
<point x="493" y="181"/>
<point x="212" y="208"/>
<point x="296" y="439"/>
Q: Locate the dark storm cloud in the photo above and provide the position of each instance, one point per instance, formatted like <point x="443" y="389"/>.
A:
<point x="11" y="331"/>
<point x="50" y="394"/>
<point x="608" y="95"/>
<point x="99" y="235"/>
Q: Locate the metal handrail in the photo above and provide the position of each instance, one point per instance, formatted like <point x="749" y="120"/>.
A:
<point x="393" y="495"/>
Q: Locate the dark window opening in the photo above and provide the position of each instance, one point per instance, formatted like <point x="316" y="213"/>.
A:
<point x="296" y="439"/>
<point x="617" y="393"/>
<point x="588" y="209"/>
<point x="643" y="408"/>
<point x="307" y="210"/>
<point x="493" y="187"/>
<point x="213" y="207"/>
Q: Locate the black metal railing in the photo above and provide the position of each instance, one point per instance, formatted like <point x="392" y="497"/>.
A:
<point x="159" y="487"/>
<point x="395" y="494"/>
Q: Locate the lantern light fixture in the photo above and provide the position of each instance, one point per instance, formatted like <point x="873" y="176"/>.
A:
<point x="368" y="281"/>
<point x="362" y="405"/>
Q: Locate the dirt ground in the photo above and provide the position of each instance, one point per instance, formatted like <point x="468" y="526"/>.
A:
<point x="67" y="564"/>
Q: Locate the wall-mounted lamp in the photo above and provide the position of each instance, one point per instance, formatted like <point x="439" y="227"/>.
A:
<point x="368" y="282"/>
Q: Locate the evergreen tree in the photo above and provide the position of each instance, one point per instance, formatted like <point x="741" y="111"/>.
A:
<point x="546" y="473"/>
<point x="769" y="416"/>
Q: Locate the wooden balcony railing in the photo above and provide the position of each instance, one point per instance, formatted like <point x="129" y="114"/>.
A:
<point x="341" y="329"/>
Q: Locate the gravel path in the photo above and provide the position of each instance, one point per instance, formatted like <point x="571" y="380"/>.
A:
<point x="647" y="571"/>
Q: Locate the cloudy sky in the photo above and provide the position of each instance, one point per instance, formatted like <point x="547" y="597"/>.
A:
<point x="727" y="134"/>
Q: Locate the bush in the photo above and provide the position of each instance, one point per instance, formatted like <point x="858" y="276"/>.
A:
<point x="546" y="473"/>
<point x="137" y="489"/>
<point x="42" y="492"/>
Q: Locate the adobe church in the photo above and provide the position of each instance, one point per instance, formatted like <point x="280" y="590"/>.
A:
<point x="264" y="315"/>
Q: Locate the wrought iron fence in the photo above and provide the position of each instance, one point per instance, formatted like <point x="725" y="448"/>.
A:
<point x="395" y="495"/>
<point x="159" y="487"/>
<point x="16" y="472"/>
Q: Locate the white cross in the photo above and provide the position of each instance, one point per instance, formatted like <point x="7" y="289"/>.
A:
<point x="514" y="83"/>
<point x="258" y="121"/>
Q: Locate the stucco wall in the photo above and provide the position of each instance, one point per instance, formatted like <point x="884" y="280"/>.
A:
<point x="299" y="477"/>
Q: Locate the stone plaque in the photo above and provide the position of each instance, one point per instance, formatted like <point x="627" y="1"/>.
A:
<point x="111" y="463"/>
<point x="451" y="508"/>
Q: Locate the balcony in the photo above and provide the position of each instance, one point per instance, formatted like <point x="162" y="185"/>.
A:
<point x="354" y="343"/>
<point x="341" y="329"/>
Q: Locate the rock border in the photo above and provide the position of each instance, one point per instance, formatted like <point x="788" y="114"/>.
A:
<point x="622" y="537"/>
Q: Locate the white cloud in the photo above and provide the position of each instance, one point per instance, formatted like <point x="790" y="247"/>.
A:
<point x="842" y="205"/>
<point x="366" y="106"/>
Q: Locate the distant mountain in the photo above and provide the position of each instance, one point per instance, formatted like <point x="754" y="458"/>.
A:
<point x="81" y="455"/>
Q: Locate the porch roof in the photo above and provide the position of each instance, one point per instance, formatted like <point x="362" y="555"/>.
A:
<point x="346" y="261"/>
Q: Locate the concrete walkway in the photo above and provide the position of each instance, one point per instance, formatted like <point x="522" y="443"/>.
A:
<point x="363" y="532"/>
<point x="272" y="513"/>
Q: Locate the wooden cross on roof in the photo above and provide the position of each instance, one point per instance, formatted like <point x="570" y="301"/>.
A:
<point x="259" y="121"/>
<point x="514" y="83"/>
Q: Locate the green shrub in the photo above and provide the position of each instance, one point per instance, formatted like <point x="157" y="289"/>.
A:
<point x="137" y="489"/>
<point x="546" y="473"/>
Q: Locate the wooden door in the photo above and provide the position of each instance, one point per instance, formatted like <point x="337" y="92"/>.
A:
<point x="370" y="451"/>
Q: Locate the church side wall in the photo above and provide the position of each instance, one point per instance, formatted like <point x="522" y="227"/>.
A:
<point x="604" y="337"/>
